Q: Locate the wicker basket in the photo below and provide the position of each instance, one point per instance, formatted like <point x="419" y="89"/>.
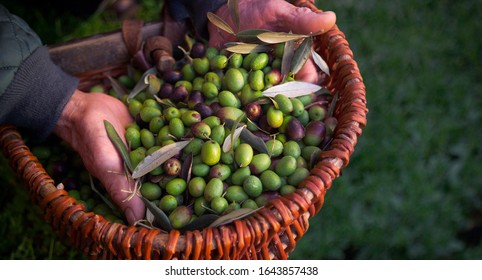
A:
<point x="270" y="233"/>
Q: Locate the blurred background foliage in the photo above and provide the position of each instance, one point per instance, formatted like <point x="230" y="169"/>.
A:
<point x="413" y="188"/>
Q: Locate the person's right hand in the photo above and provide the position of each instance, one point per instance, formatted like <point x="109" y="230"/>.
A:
<point x="275" y="15"/>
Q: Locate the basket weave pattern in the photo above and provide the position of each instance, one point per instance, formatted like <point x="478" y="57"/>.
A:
<point x="270" y="233"/>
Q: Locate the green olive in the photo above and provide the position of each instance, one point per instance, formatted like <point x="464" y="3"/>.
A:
<point x="239" y="175"/>
<point x="233" y="79"/>
<point x="176" y="186"/>
<point x="243" y="154"/>
<point x="151" y="191"/>
<point x="270" y="180"/>
<point x="210" y="152"/>
<point x="147" y="138"/>
<point x="260" y="163"/>
<point x="168" y="203"/>
<point x="176" y="127"/>
<point x="286" y="166"/>
<point x="133" y="138"/>
<point x="214" y="188"/>
<point x="196" y="186"/>
<point x="256" y="80"/>
<point x="236" y="194"/>
<point x="252" y="186"/>
<point x="259" y="61"/>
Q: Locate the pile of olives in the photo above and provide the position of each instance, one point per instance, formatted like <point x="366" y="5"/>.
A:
<point x="204" y="98"/>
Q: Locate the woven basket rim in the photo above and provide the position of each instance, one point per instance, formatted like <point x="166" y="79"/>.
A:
<point x="270" y="233"/>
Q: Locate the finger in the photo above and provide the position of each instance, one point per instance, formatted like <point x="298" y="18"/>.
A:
<point x="123" y="193"/>
<point x="305" y="21"/>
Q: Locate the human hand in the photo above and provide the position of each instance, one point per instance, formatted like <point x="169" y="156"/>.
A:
<point x="275" y="15"/>
<point x="82" y="126"/>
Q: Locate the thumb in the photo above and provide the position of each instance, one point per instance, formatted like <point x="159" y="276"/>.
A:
<point x="121" y="191"/>
<point x="305" y="21"/>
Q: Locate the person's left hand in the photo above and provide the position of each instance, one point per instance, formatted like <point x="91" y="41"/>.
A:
<point x="82" y="126"/>
<point x="275" y="15"/>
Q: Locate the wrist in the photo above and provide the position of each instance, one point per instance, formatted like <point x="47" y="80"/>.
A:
<point x="69" y="116"/>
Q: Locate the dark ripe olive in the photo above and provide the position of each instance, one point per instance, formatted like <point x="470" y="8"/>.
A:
<point x="198" y="50"/>
<point x="172" y="167"/>
<point x="253" y="111"/>
<point x="172" y="76"/>
<point x="295" y="130"/>
<point x="204" y="109"/>
<point x="166" y="90"/>
<point x="195" y="97"/>
<point x="262" y="135"/>
<point x="215" y="106"/>
<point x="180" y="93"/>
<point x="314" y="133"/>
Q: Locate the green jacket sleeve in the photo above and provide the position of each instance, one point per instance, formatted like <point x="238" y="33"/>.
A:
<point x="33" y="90"/>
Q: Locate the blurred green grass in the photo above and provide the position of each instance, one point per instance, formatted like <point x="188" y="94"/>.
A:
<point x="414" y="184"/>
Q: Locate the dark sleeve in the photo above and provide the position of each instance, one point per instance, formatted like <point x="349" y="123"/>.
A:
<point x="33" y="90"/>
<point x="194" y="11"/>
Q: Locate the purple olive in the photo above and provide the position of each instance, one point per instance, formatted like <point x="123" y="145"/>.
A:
<point x="198" y="50"/>
<point x="195" y="97"/>
<point x="295" y="130"/>
<point x="253" y="111"/>
<point x="172" y="76"/>
<point x="204" y="109"/>
<point x="179" y="93"/>
<point x="166" y="90"/>
<point x="314" y="133"/>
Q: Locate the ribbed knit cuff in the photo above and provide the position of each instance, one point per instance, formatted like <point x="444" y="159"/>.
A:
<point x="37" y="95"/>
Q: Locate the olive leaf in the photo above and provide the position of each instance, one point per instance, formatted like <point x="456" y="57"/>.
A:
<point x="118" y="143"/>
<point x="149" y="216"/>
<point x="289" y="50"/>
<point x="247" y="136"/>
<point x="331" y="109"/>
<point x="301" y="55"/>
<point x="186" y="168"/>
<point x="250" y="35"/>
<point x="119" y="89"/>
<point x="320" y="62"/>
<point x="231" y="138"/>
<point x="141" y="84"/>
<point x="279" y="37"/>
<point x="200" y="222"/>
<point x="246" y="48"/>
<point x="233" y="216"/>
<point x="158" y="157"/>
<point x="161" y="220"/>
<point x="292" y="89"/>
<point x="220" y="23"/>
<point x="233" y="7"/>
